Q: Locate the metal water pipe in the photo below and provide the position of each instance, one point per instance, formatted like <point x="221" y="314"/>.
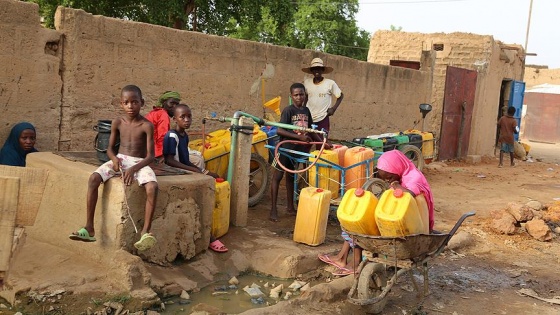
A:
<point x="235" y="128"/>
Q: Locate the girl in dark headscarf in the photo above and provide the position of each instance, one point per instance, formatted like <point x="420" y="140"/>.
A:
<point x="20" y="142"/>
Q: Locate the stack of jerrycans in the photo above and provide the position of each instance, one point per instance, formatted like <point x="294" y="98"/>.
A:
<point x="312" y="216"/>
<point x="220" y="215"/>
<point x="356" y="212"/>
<point x="426" y="143"/>
<point x="399" y="214"/>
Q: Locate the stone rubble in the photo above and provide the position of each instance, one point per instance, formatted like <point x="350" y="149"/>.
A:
<point x="530" y="217"/>
<point x="539" y="230"/>
<point x="521" y="213"/>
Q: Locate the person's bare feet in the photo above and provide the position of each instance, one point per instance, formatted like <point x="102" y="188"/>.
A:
<point x="338" y="261"/>
<point x="291" y="212"/>
<point x="273" y="218"/>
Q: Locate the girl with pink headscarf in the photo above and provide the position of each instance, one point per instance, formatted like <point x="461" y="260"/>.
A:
<point x="394" y="167"/>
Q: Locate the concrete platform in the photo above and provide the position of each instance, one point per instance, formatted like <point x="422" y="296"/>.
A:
<point x="181" y="224"/>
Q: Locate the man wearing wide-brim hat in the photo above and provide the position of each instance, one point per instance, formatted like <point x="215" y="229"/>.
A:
<point x="320" y="92"/>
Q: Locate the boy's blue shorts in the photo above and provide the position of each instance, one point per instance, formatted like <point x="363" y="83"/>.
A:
<point x="507" y="147"/>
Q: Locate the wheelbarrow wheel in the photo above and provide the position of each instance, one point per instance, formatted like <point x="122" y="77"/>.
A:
<point x="414" y="154"/>
<point x="259" y="179"/>
<point x="376" y="185"/>
<point x="371" y="283"/>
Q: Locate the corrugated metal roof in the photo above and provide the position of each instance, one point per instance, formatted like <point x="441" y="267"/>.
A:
<point x="545" y="88"/>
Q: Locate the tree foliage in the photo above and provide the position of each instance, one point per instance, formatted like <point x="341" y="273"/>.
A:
<point x="324" y="25"/>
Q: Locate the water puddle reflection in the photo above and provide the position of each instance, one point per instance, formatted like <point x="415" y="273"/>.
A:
<point x="230" y="299"/>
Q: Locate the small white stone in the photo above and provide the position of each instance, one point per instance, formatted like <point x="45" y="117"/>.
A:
<point x="287" y="296"/>
<point x="233" y="280"/>
<point x="274" y="294"/>
<point x="185" y="295"/>
<point x="296" y="285"/>
<point x="265" y="285"/>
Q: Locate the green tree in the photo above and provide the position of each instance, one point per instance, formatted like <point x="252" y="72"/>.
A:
<point x="396" y="28"/>
<point x="330" y="26"/>
<point x="325" y="25"/>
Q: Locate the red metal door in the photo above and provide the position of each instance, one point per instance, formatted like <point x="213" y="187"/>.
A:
<point x="458" y="103"/>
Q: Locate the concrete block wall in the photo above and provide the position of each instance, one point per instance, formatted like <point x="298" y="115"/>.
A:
<point x="460" y="50"/>
<point x="30" y="82"/>
<point x="463" y="50"/>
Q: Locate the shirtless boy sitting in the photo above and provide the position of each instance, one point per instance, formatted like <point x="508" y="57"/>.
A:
<point x="136" y="152"/>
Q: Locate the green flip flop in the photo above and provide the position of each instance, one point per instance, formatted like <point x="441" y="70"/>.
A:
<point x="82" y="235"/>
<point x="146" y="242"/>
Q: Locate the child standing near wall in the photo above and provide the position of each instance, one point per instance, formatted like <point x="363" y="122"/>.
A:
<point x="176" y="154"/>
<point x="136" y="152"/>
<point x="298" y="115"/>
<point x="508" y="126"/>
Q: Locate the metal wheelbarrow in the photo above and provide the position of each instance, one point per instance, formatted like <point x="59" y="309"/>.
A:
<point x="396" y="255"/>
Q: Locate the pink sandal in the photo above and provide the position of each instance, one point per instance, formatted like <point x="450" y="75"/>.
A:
<point x="218" y="247"/>
<point x="341" y="272"/>
<point x="327" y="260"/>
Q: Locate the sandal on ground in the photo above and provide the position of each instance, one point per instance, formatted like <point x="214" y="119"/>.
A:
<point x="327" y="260"/>
<point x="82" y="235"/>
<point x="146" y="242"/>
<point x="341" y="272"/>
<point x="218" y="247"/>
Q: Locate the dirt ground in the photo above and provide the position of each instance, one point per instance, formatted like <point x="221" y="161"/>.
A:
<point x="482" y="273"/>
<point x="486" y="269"/>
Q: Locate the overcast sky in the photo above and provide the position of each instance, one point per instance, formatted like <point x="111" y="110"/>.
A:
<point x="506" y="20"/>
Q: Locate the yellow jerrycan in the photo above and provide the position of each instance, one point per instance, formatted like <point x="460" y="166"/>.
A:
<point x="356" y="212"/>
<point x="312" y="216"/>
<point x="259" y="141"/>
<point x="327" y="177"/>
<point x="220" y="215"/>
<point x="397" y="214"/>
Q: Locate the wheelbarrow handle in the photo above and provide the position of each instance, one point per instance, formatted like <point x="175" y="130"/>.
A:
<point x="453" y="230"/>
<point x="458" y="224"/>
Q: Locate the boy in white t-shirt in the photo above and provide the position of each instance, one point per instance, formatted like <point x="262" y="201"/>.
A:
<point x="320" y="92"/>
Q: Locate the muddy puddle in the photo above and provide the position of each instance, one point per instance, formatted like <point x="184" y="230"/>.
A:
<point x="230" y="300"/>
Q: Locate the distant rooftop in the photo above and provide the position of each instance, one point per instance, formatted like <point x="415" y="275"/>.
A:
<point x="545" y="88"/>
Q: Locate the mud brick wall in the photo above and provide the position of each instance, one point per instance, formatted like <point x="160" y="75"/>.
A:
<point x="469" y="51"/>
<point x="214" y="74"/>
<point x="68" y="86"/>
<point x="30" y="83"/>
<point x="536" y="76"/>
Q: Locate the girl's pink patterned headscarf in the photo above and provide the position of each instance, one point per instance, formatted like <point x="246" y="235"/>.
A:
<point x="411" y="178"/>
